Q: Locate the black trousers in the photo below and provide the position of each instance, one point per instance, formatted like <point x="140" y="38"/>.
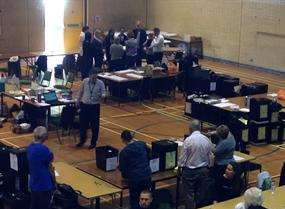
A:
<point x="192" y="180"/>
<point x="41" y="200"/>
<point x="157" y="56"/>
<point x="131" y="61"/>
<point x="135" y="189"/>
<point x="99" y="61"/>
<point x="89" y="117"/>
<point x="140" y="56"/>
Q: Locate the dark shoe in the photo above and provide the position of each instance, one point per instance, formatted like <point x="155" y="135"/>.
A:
<point x="92" y="146"/>
<point x="80" y="144"/>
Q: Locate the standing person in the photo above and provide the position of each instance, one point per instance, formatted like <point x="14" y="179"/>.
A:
<point x="117" y="53"/>
<point x="224" y="151"/>
<point x="157" y="45"/>
<point x="131" y="51"/>
<point x="148" y="51"/>
<point x="109" y="39"/>
<point x="97" y="48"/>
<point x="81" y="41"/>
<point x="122" y="36"/>
<point x="194" y="162"/>
<point x="141" y="36"/>
<point x="87" y="58"/>
<point x="134" y="166"/>
<point x="82" y="38"/>
<point x="90" y="94"/>
<point x="40" y="160"/>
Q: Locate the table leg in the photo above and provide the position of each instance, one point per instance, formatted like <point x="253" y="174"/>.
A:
<point x="177" y="191"/>
<point x="121" y="199"/>
<point x="47" y="117"/>
<point x="2" y="103"/>
<point x="97" y="206"/>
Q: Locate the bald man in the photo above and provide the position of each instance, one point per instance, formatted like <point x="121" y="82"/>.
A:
<point x="195" y="162"/>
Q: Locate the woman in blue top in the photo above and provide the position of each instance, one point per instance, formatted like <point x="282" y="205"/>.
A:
<point x="40" y="160"/>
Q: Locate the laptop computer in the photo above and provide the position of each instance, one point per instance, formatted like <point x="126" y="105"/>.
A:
<point x="50" y="97"/>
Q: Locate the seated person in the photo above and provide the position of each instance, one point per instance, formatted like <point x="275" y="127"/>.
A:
<point x="146" y="200"/>
<point x="230" y="184"/>
<point x="134" y="166"/>
<point x="253" y="199"/>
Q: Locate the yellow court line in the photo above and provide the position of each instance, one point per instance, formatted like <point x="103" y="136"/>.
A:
<point x="171" y="115"/>
<point x="7" y="132"/>
<point x="7" y="142"/>
<point x="246" y="76"/>
<point x="170" y="107"/>
<point x="242" y="72"/>
<point x="124" y="127"/>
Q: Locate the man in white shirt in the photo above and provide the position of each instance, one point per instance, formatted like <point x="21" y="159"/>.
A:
<point x="194" y="162"/>
<point x="157" y="45"/>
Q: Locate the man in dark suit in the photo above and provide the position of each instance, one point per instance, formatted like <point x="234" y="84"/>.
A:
<point x="141" y="36"/>
<point x="97" y="49"/>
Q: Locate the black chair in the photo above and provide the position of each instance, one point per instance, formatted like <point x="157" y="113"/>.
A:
<point x="45" y="81"/>
<point x="66" y="121"/>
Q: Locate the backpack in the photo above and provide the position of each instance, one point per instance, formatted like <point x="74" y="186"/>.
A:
<point x="65" y="197"/>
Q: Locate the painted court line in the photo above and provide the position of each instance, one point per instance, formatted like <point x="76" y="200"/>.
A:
<point x="124" y="127"/>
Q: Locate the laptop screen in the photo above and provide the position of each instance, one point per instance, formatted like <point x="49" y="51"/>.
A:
<point x="50" y="96"/>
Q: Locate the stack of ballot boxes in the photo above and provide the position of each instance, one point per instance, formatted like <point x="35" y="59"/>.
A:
<point x="264" y="121"/>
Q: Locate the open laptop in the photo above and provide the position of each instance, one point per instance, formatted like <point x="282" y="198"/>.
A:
<point x="50" y="97"/>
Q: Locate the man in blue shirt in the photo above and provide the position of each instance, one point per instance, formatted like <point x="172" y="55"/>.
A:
<point x="91" y="91"/>
<point x="134" y="166"/>
<point x="41" y="178"/>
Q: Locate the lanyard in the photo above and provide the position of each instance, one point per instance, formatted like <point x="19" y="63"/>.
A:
<point x="91" y="89"/>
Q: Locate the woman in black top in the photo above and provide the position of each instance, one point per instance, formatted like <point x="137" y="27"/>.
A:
<point x="109" y="40"/>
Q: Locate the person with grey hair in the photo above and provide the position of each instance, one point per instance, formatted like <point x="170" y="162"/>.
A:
<point x="90" y="93"/>
<point x="41" y="181"/>
<point x="117" y="53"/>
<point x="194" y="163"/>
<point x="253" y="199"/>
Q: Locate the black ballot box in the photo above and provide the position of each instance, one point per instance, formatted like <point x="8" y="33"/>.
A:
<point x="19" y="161"/>
<point x="4" y="157"/>
<point x="253" y="88"/>
<point x="107" y="158"/>
<point x="20" y="167"/>
<point x="259" y="132"/>
<point x="282" y="131"/>
<point x="7" y="182"/>
<point x="274" y="110"/>
<point x="259" y="109"/>
<point x="167" y="152"/>
<point x="273" y="132"/>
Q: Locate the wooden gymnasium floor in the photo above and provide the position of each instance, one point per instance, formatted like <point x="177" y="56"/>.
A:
<point x="151" y="121"/>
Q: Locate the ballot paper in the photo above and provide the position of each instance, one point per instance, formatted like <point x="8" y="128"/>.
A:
<point x="14" y="162"/>
<point x="56" y="173"/>
<point x="116" y="78"/>
<point x="133" y="75"/>
<point x="125" y="71"/>
<point x="238" y="158"/>
<point x="224" y="104"/>
<point x="244" y="109"/>
<point x="188" y="107"/>
<point x="111" y="163"/>
<point x="154" y="165"/>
